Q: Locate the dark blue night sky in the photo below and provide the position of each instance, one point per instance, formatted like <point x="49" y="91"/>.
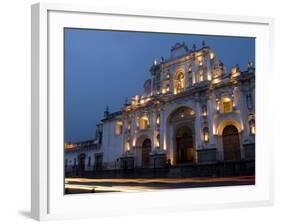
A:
<point x="104" y="67"/>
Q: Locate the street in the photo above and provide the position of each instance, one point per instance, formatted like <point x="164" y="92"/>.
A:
<point x="89" y="185"/>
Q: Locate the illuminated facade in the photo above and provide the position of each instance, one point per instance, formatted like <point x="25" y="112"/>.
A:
<point x="192" y="111"/>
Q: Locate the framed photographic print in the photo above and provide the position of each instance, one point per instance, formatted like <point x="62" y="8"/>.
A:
<point x="148" y="111"/>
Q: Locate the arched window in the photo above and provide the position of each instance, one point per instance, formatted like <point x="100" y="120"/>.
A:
<point x="252" y="127"/>
<point x="144" y="122"/>
<point x="206" y="134"/>
<point x="227" y="105"/>
<point x="204" y="110"/>
<point x="179" y="83"/>
<point x="118" y="128"/>
<point x="201" y="75"/>
<point x="158" y="141"/>
<point x="128" y="143"/>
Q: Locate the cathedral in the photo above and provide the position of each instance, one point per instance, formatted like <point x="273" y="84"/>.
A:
<point x="192" y="111"/>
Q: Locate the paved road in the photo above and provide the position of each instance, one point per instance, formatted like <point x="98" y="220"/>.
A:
<point x="86" y="185"/>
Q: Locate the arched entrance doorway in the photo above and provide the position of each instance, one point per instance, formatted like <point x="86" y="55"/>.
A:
<point x="184" y="145"/>
<point x="146" y="148"/>
<point x="231" y="143"/>
<point x="180" y="135"/>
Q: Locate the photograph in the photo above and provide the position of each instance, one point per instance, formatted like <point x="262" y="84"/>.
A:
<point x="147" y="111"/>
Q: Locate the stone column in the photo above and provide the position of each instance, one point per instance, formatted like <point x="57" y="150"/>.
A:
<point x="210" y="111"/>
<point x="171" y="149"/>
<point x="152" y="123"/>
<point x="197" y="124"/>
<point x="185" y="81"/>
<point x="162" y="129"/>
<point x="242" y="106"/>
<point x="171" y="84"/>
<point x="134" y="129"/>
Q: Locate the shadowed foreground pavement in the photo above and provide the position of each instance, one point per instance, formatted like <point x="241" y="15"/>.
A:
<point x="90" y="185"/>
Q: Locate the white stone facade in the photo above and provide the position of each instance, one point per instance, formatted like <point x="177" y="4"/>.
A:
<point x="192" y="111"/>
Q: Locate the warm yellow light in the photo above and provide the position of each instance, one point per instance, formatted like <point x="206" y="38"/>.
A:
<point x="193" y="78"/>
<point x="134" y="142"/>
<point x="163" y="91"/>
<point x="200" y="59"/>
<point x="212" y="55"/>
<point x="218" y="105"/>
<point x="226" y="99"/>
<point x="253" y="129"/>
<point x="142" y="101"/>
<point x="227" y="105"/>
<point x="214" y="129"/>
<point x="172" y="161"/>
<point x="158" y="120"/>
<point x="215" y="81"/>
<point x="128" y="146"/>
<point x="206" y="136"/>
<point x="201" y="76"/>
<point x="69" y="146"/>
<point x="118" y="127"/>
<point x="157" y="144"/>
<point x="144" y="122"/>
<point x="235" y="72"/>
<point x="209" y="76"/>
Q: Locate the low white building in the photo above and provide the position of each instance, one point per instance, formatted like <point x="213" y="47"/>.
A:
<point x="192" y="111"/>
<point x="84" y="155"/>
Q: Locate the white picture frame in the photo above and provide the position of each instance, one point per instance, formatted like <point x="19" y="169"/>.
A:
<point x="48" y="200"/>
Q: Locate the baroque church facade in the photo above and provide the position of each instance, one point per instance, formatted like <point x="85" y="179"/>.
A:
<point x="192" y="111"/>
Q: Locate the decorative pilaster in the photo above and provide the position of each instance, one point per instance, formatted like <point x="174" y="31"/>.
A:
<point x="210" y="110"/>
<point x="198" y="124"/>
<point x="163" y="145"/>
<point x="152" y="134"/>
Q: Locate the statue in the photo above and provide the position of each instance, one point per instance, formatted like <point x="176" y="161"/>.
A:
<point x="250" y="65"/>
<point x="203" y="43"/>
<point x="194" y="47"/>
<point x="106" y="112"/>
<point x="126" y="100"/>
